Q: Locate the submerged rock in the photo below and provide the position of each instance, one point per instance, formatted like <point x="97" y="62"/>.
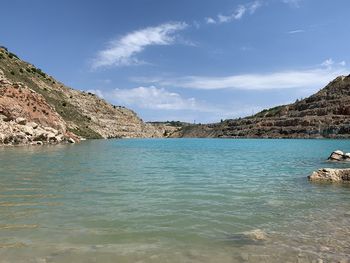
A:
<point x="256" y="234"/>
<point x="330" y="175"/>
<point x="339" y="156"/>
<point x="252" y="237"/>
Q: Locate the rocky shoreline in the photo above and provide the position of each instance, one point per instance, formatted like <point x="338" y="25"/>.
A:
<point x="21" y="132"/>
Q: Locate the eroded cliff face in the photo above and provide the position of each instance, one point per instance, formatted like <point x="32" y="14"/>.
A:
<point x="325" y="114"/>
<point x="26" y="117"/>
<point x="82" y="113"/>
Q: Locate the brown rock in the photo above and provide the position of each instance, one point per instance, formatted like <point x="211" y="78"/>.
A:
<point x="330" y="175"/>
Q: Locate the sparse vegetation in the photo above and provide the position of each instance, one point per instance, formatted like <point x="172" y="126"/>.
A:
<point x="35" y="79"/>
<point x="12" y="55"/>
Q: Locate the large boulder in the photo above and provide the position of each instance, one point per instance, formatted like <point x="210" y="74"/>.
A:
<point x="330" y="175"/>
<point x="339" y="156"/>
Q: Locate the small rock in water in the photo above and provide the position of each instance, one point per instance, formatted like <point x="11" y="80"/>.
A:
<point x="339" y="156"/>
<point x="256" y="234"/>
<point x="330" y="175"/>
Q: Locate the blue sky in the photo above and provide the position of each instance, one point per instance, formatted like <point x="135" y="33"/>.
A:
<point x="189" y="60"/>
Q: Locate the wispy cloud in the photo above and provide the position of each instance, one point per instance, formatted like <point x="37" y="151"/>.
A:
<point x="302" y="79"/>
<point x="237" y="14"/>
<point x="164" y="102"/>
<point x="210" y="20"/>
<point x="153" y="98"/>
<point x="328" y="63"/>
<point x="123" y="51"/>
<point x="296" y="31"/>
<point x="294" y="3"/>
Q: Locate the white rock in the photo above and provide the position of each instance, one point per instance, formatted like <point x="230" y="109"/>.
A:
<point x="339" y="156"/>
<point x="28" y="130"/>
<point x="21" y="121"/>
<point x="33" y="125"/>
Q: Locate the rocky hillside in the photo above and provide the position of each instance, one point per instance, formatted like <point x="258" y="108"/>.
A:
<point x="325" y="114"/>
<point x="81" y="113"/>
<point x="26" y="117"/>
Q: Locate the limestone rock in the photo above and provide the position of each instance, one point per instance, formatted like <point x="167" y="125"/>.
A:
<point x="21" y="121"/>
<point x="330" y="175"/>
<point x="256" y="234"/>
<point x="32" y="125"/>
<point x="339" y="156"/>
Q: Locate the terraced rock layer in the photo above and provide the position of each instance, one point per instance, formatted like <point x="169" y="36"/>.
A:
<point x="325" y="114"/>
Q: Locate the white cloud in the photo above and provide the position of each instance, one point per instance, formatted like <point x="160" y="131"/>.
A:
<point x="240" y="11"/>
<point x="328" y="63"/>
<point x="299" y="79"/>
<point x="122" y="51"/>
<point x="237" y="14"/>
<point x="254" y="6"/>
<point x="297" y="31"/>
<point x="342" y="63"/>
<point x="210" y="20"/>
<point x="153" y="98"/>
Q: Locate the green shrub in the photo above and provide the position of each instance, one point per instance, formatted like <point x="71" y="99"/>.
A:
<point x="12" y="72"/>
<point x="21" y="70"/>
<point x="11" y="55"/>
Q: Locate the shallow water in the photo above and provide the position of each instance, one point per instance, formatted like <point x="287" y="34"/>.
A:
<point x="172" y="200"/>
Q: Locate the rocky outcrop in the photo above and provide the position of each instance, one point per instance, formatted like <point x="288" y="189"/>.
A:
<point x="26" y="117"/>
<point x="339" y="156"/>
<point x="330" y="175"/>
<point x="83" y="113"/>
<point x="325" y="114"/>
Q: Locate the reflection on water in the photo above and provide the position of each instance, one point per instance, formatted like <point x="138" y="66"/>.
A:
<point x="178" y="200"/>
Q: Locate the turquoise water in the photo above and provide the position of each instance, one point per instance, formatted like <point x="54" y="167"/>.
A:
<point x="172" y="200"/>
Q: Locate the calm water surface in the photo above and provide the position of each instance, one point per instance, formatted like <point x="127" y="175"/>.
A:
<point x="172" y="200"/>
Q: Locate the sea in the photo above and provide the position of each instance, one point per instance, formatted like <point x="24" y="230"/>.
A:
<point x="173" y="200"/>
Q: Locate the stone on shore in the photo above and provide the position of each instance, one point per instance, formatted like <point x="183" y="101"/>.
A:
<point x="330" y="175"/>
